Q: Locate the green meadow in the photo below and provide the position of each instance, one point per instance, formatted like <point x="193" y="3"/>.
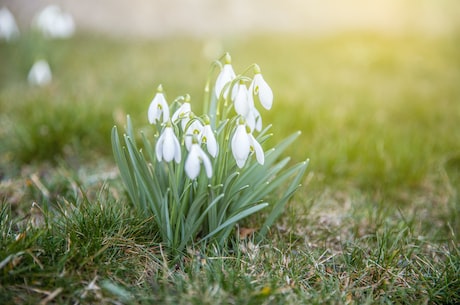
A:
<point x="376" y="221"/>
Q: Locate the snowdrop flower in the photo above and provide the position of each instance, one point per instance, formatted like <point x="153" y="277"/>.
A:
<point x="260" y="89"/>
<point x="182" y="114"/>
<point x="40" y="73"/>
<point x="54" y="23"/>
<point x="158" y="107"/>
<point x="225" y="76"/>
<point x="244" y="106"/>
<point x="193" y="131"/>
<point x="168" y="147"/>
<point x="195" y="157"/>
<point x="8" y="27"/>
<point x="207" y="137"/>
<point x="243" y="143"/>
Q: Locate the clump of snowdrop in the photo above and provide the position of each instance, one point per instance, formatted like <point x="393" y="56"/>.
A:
<point x="201" y="174"/>
<point x="40" y="73"/>
<point x="8" y="28"/>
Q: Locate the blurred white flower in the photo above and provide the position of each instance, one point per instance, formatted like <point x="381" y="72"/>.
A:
<point x="54" y="23"/>
<point x="40" y="73"/>
<point x="168" y="147"/>
<point x="195" y="157"/>
<point x="225" y="76"/>
<point x="261" y="90"/>
<point x="158" y="107"/>
<point x="207" y="136"/>
<point x="8" y="27"/>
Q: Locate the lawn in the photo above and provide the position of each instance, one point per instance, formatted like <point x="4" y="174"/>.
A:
<point x="376" y="221"/>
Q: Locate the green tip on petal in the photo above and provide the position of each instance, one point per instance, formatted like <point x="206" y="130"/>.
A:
<point x="206" y="120"/>
<point x="160" y="88"/>
<point x="187" y="98"/>
<point x="227" y="58"/>
<point x="256" y="69"/>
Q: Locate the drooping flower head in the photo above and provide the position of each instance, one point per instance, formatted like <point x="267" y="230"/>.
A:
<point x="158" y="107"/>
<point x="193" y="130"/>
<point x="195" y="157"/>
<point x="243" y="143"/>
<point x="182" y="113"/>
<point x="207" y="137"/>
<point x="168" y="147"/>
<point x="225" y="76"/>
<point x="260" y="90"/>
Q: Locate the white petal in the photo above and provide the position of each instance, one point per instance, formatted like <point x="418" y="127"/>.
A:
<point x="257" y="118"/>
<point x="240" y="145"/>
<point x="168" y="149"/>
<point x="260" y="88"/>
<point x="177" y="150"/>
<point x="192" y="164"/>
<point x="164" y="107"/>
<point x="170" y="145"/>
<point x="241" y="102"/>
<point x="159" y="147"/>
<point x="206" y="163"/>
<point x="207" y="136"/>
<point x="225" y="76"/>
<point x="257" y="149"/>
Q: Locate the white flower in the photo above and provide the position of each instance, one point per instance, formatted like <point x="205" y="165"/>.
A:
<point x="168" y="147"/>
<point x="260" y="89"/>
<point x="225" y="76"/>
<point x="195" y="157"/>
<point x="158" y="107"/>
<point x="8" y="27"/>
<point x="40" y="73"/>
<point x="54" y="23"/>
<point x="193" y="130"/>
<point x="207" y="137"/>
<point x="240" y="99"/>
<point x="182" y="114"/>
<point x="243" y="143"/>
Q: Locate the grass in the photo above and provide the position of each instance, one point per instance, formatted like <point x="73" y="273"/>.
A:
<point x="377" y="221"/>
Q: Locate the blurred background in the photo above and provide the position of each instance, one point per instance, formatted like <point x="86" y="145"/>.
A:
<point x="156" y="18"/>
<point x="372" y="85"/>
